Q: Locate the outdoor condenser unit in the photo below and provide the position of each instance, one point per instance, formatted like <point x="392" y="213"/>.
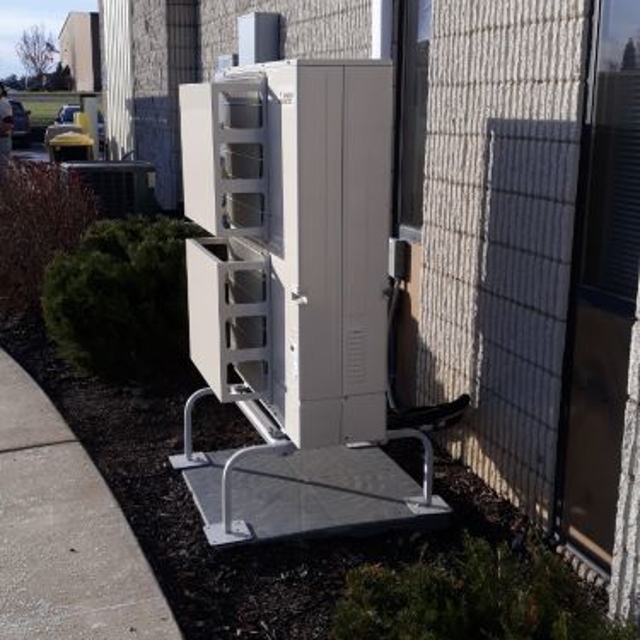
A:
<point x="288" y="166"/>
<point x="121" y="188"/>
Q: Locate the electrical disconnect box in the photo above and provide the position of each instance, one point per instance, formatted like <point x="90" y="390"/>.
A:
<point x="288" y="166"/>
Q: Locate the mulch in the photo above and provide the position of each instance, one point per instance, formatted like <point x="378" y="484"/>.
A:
<point x="281" y="591"/>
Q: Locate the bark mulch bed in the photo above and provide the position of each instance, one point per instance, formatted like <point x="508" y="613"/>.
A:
<point x="284" y="591"/>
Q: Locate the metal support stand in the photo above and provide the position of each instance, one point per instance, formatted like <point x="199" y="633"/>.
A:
<point x="188" y="459"/>
<point x="419" y="504"/>
<point x="317" y="492"/>
<point x="231" y="531"/>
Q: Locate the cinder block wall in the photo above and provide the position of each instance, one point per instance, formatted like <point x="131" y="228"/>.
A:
<point x="151" y="89"/>
<point x="625" y="588"/>
<point x="178" y="41"/>
<point x="506" y="93"/>
<point x="165" y="52"/>
<point x="309" y="28"/>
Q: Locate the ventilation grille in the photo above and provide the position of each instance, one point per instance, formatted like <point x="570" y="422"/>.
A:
<point x="356" y="365"/>
<point x="121" y="189"/>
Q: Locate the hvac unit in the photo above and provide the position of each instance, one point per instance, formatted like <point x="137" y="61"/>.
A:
<point x="121" y="188"/>
<point x="294" y="157"/>
<point x="288" y="166"/>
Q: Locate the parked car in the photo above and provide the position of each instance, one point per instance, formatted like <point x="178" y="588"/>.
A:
<point x="21" y="123"/>
<point x="68" y="111"/>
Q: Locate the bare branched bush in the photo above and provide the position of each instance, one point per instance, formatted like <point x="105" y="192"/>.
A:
<point x="42" y="212"/>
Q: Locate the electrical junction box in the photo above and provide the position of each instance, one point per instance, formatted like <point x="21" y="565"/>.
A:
<point x="258" y="38"/>
<point x="288" y="166"/>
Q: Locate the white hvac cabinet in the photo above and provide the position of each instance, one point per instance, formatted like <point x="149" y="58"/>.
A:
<point x="288" y="165"/>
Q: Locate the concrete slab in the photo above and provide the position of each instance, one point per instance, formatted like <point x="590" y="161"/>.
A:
<point x="312" y="492"/>
<point x="27" y="417"/>
<point x="70" y="566"/>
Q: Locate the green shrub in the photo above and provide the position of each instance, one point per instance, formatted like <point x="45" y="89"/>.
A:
<point x="485" y="594"/>
<point x="117" y="306"/>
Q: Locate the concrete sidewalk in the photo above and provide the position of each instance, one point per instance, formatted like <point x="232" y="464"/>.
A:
<point x="70" y="566"/>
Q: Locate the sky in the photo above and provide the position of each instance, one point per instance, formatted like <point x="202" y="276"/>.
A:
<point x="18" y="15"/>
<point x="620" y="22"/>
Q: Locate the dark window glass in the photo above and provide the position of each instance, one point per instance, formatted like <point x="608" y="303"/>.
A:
<point x="416" y="33"/>
<point x="612" y="255"/>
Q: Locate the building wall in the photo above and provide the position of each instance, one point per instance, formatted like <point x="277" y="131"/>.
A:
<point x="78" y="51"/>
<point x="309" y="28"/>
<point x="96" y="51"/>
<point x="164" y="56"/>
<point x="118" y="90"/>
<point x="168" y="52"/>
<point x="504" y="126"/>
<point x="625" y="587"/>
<point x="153" y="135"/>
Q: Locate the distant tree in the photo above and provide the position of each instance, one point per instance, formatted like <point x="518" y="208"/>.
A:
<point x="630" y="56"/>
<point x="36" y="51"/>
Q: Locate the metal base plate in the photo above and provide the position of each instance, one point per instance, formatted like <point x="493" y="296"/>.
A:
<point x="218" y="537"/>
<point x="180" y="462"/>
<point x="310" y="493"/>
<point x="418" y="506"/>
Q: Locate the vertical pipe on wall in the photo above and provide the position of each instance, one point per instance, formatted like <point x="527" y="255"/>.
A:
<point x="381" y="28"/>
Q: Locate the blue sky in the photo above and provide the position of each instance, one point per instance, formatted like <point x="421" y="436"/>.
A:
<point x="18" y="15"/>
<point x="620" y="21"/>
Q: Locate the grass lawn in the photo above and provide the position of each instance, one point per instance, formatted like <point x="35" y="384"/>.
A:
<point x="44" y="107"/>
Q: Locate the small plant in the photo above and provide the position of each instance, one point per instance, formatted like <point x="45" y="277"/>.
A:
<point x="42" y="212"/>
<point x="484" y="594"/>
<point x="117" y="306"/>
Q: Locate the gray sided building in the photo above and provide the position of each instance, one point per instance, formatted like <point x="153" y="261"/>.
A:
<point x="517" y="166"/>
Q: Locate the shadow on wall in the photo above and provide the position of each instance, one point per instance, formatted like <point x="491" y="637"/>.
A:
<point x="514" y="340"/>
<point x="283" y="36"/>
<point x="157" y="140"/>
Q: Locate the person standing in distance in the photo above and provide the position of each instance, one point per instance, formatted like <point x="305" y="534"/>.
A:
<point x="6" y="127"/>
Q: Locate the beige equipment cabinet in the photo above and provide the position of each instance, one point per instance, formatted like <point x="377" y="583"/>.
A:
<point x="288" y="164"/>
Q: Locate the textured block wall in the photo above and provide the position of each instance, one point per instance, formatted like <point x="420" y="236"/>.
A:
<point x="625" y="578"/>
<point x="178" y="41"/>
<point x="151" y="88"/>
<point x="310" y="28"/>
<point x="502" y="153"/>
<point x="165" y="52"/>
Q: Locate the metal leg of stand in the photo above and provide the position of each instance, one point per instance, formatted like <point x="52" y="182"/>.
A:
<point x="231" y="531"/>
<point x="188" y="459"/>
<point x="418" y="504"/>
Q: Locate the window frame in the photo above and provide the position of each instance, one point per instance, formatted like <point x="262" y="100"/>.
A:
<point x="406" y="17"/>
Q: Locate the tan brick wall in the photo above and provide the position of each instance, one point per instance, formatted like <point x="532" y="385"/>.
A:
<point x="310" y="28"/>
<point x="165" y="53"/>
<point x="625" y="587"/>
<point x="506" y="90"/>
